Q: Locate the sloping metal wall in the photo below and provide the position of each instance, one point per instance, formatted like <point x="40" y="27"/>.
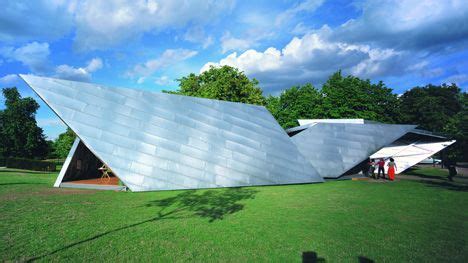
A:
<point x="334" y="148"/>
<point x="157" y="141"/>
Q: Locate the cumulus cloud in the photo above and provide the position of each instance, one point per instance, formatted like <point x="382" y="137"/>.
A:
<point x="459" y="79"/>
<point x="34" y="55"/>
<point x="9" y="79"/>
<point x="407" y="24"/>
<point x="307" y="59"/>
<point x="103" y="23"/>
<point x="228" y="42"/>
<point x="35" y="20"/>
<point x="168" y="57"/>
<point x="80" y="73"/>
<point x="390" y="38"/>
<point x="290" y="13"/>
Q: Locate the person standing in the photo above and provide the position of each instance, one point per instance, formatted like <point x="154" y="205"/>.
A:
<point x="366" y="168"/>
<point x="381" y="165"/>
<point x="372" y="168"/>
<point x="391" y="169"/>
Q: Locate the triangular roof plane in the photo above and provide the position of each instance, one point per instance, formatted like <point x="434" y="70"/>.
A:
<point x="334" y="147"/>
<point x="158" y="141"/>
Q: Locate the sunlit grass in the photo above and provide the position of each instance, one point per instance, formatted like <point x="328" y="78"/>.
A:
<point x="338" y="221"/>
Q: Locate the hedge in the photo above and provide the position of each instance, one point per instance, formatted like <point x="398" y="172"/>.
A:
<point x="28" y="164"/>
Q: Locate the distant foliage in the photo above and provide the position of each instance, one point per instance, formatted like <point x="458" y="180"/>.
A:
<point x="340" y="97"/>
<point x="300" y="102"/>
<point x="352" y="97"/>
<point x="221" y="83"/>
<point x="19" y="134"/>
<point x="431" y="106"/>
<point x="441" y="108"/>
<point x="63" y="143"/>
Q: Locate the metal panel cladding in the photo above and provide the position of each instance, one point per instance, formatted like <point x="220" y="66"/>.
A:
<point x="335" y="148"/>
<point x="407" y="154"/>
<point x="158" y="141"/>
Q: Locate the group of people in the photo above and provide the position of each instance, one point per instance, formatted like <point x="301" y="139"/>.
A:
<point x="371" y="164"/>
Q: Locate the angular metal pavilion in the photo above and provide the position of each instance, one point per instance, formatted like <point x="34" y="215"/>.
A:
<point x="334" y="146"/>
<point x="158" y="141"/>
<point x="413" y="148"/>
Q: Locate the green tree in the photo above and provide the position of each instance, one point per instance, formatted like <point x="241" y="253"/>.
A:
<point x="63" y="143"/>
<point x="457" y="128"/>
<point x="300" y="102"/>
<point x="21" y="137"/>
<point x="352" y="97"/>
<point x="431" y="107"/>
<point x="222" y="83"/>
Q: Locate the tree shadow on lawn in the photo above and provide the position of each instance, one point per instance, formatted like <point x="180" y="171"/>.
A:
<point x="19" y="171"/>
<point x="312" y="257"/>
<point x="18" y="183"/>
<point x="447" y="185"/>
<point x="417" y="172"/>
<point x="211" y="204"/>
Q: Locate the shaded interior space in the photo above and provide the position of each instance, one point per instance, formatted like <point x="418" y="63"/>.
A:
<point x="86" y="168"/>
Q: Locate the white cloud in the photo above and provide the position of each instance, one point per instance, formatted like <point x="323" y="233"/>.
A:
<point x="39" y="20"/>
<point x="228" y="42"/>
<point x="94" y="64"/>
<point x="196" y="34"/>
<point x="300" y="29"/>
<point x="308" y="59"/>
<point x="163" y="80"/>
<point x="103" y="23"/>
<point x="407" y="24"/>
<point x="9" y="79"/>
<point x="250" y="38"/>
<point x="34" y="55"/>
<point x="80" y="73"/>
<point x="459" y="79"/>
<point x="169" y="57"/>
<point x="290" y="13"/>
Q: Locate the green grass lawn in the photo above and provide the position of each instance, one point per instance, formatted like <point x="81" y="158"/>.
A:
<point x="335" y="221"/>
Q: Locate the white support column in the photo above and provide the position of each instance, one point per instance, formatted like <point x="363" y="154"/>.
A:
<point x="67" y="162"/>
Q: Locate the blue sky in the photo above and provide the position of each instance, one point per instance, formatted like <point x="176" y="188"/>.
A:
<point x="148" y="44"/>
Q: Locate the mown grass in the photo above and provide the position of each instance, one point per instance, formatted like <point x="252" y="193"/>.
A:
<point x="335" y="221"/>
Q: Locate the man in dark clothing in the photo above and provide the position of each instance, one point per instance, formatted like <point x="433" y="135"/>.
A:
<point x="450" y="164"/>
<point x="381" y="165"/>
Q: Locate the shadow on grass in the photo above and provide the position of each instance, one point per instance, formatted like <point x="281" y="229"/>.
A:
<point x="362" y="259"/>
<point x="419" y="173"/>
<point x="311" y="257"/>
<point x="447" y="185"/>
<point x="19" y="171"/>
<point x="211" y="204"/>
<point x="18" y="183"/>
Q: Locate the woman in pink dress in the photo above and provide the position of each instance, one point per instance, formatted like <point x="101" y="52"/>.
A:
<point x="391" y="169"/>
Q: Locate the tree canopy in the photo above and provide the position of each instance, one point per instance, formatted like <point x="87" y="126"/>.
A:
<point x="300" y="102"/>
<point x="340" y="97"/>
<point x="63" y="143"/>
<point x="221" y="83"/>
<point x="431" y="106"/>
<point x="19" y="133"/>
<point x="352" y="97"/>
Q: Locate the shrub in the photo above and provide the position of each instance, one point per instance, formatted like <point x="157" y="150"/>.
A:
<point x="28" y="164"/>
